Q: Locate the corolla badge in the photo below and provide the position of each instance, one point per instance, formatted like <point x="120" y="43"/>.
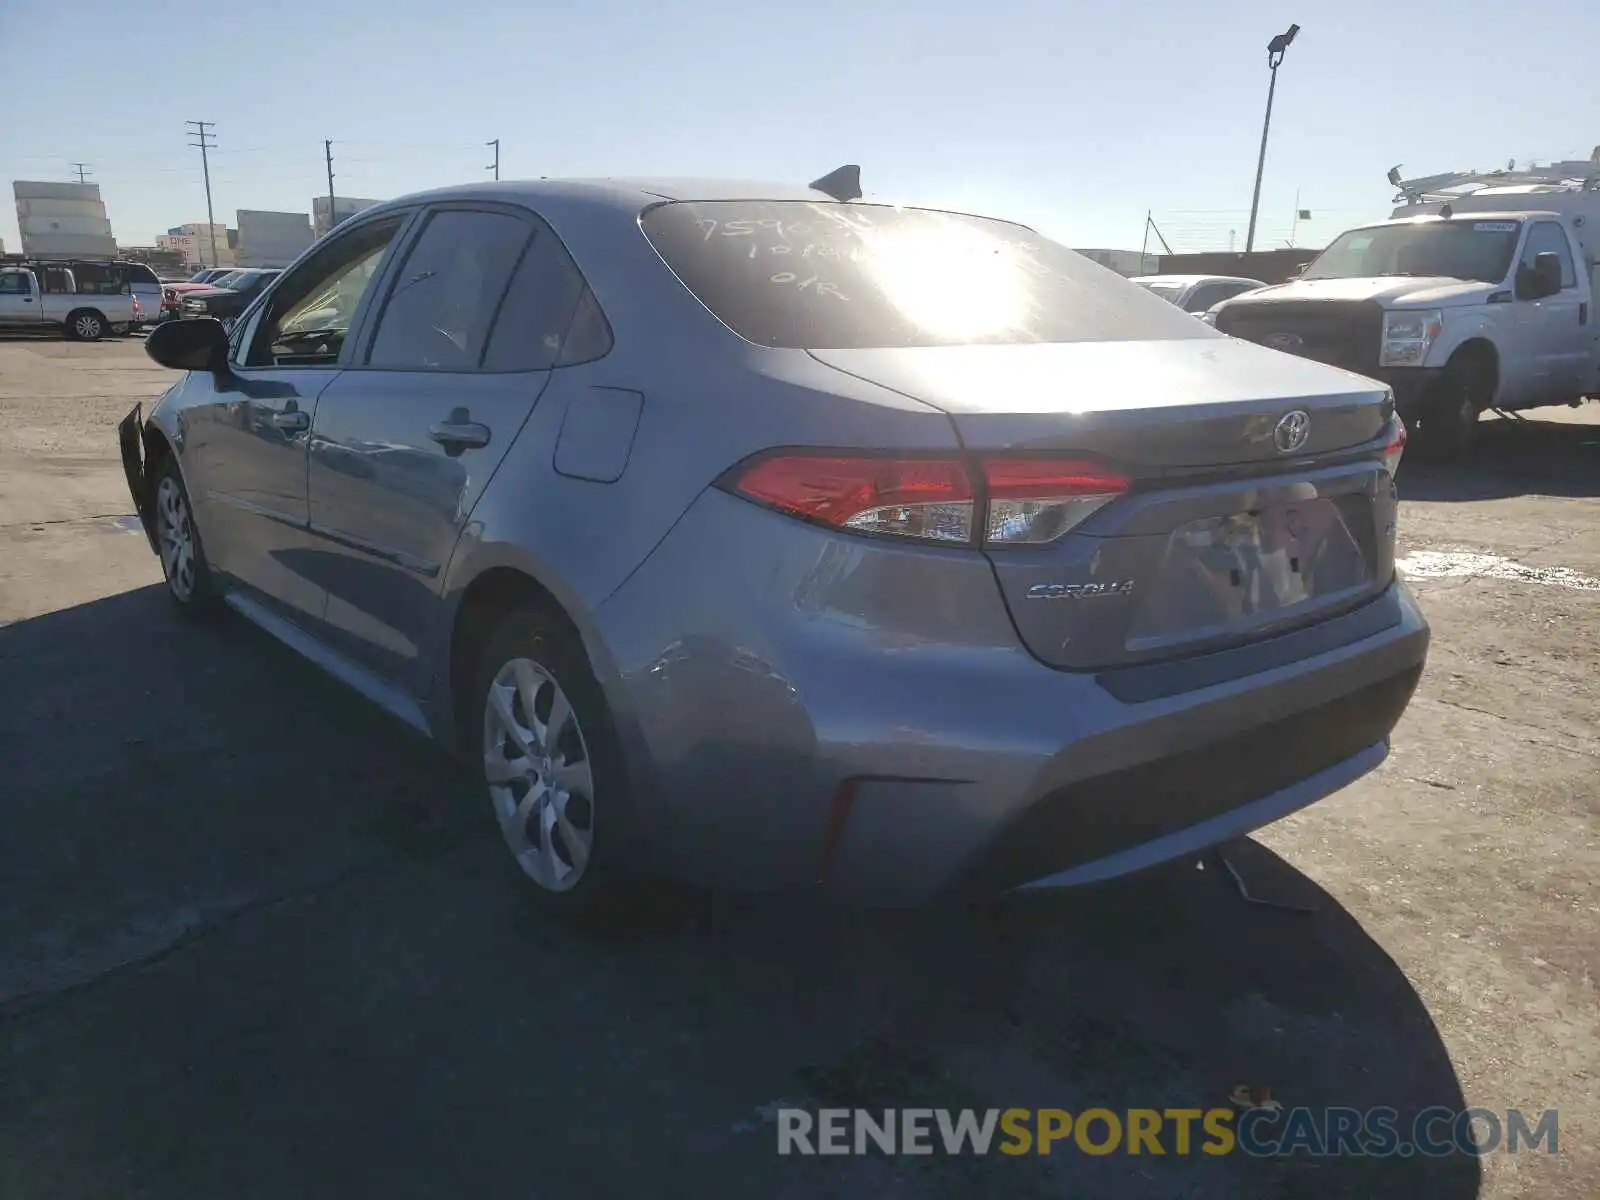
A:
<point x="1291" y="431"/>
<point x="1284" y="341"/>
<point x="1079" y="591"/>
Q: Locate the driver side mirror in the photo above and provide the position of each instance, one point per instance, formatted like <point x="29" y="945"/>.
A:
<point x="1542" y="279"/>
<point x="196" y="344"/>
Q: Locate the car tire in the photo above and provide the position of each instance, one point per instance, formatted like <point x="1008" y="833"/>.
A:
<point x="183" y="559"/>
<point x="86" y="325"/>
<point x="1449" y="424"/>
<point x="542" y="748"/>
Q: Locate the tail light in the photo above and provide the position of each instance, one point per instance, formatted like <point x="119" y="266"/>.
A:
<point x="1395" y="448"/>
<point x="1005" y="501"/>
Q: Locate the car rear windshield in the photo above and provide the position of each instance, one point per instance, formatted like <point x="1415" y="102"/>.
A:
<point x="806" y="275"/>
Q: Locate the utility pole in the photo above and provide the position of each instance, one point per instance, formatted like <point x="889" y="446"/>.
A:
<point x="1275" y="52"/>
<point x="327" y="152"/>
<point x="82" y="169"/>
<point x="494" y="166"/>
<point x="206" y="142"/>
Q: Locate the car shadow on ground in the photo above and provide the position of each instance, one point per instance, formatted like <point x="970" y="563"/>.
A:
<point x="260" y="941"/>
<point x="1514" y="457"/>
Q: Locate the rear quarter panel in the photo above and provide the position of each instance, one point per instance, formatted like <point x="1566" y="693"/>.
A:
<point x="707" y="399"/>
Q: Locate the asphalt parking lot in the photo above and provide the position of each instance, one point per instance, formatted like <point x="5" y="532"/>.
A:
<point x="254" y="941"/>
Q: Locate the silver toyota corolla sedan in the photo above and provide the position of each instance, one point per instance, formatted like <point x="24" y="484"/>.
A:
<point x="768" y="538"/>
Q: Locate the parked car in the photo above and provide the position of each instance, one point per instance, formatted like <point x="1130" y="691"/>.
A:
<point x="42" y="296"/>
<point x="211" y="274"/>
<point x="1210" y="314"/>
<point x="228" y="296"/>
<point x="771" y="539"/>
<point x="172" y="298"/>
<point x="1197" y="293"/>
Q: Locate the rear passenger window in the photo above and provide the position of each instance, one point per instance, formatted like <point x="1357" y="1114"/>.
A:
<point x="536" y="329"/>
<point x="444" y="298"/>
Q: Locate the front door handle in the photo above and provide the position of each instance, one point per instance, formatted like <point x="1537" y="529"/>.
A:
<point x="291" y="420"/>
<point x="459" y="432"/>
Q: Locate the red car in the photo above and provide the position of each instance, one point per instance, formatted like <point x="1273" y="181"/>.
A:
<point x="172" y="298"/>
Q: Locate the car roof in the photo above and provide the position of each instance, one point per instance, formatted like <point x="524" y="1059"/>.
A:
<point x="1456" y="218"/>
<point x="555" y="198"/>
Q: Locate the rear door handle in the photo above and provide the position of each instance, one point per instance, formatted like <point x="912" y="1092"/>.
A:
<point x="291" y="420"/>
<point x="459" y="432"/>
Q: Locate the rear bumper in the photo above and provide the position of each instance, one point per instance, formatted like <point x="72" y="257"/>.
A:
<point x="793" y="729"/>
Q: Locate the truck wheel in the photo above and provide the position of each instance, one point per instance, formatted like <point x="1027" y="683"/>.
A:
<point x="1448" y="425"/>
<point x="86" y="325"/>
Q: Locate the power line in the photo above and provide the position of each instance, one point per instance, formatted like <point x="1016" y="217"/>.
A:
<point x="207" y="140"/>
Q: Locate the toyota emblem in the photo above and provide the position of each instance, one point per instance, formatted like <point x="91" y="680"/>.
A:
<point x="1291" y="431"/>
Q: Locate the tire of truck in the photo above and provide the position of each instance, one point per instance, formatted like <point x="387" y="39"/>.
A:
<point x="1448" y="422"/>
<point x="86" y="325"/>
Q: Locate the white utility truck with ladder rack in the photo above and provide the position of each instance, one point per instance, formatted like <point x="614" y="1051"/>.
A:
<point x="1478" y="293"/>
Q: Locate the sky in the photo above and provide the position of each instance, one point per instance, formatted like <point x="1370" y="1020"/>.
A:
<point x="1073" y="117"/>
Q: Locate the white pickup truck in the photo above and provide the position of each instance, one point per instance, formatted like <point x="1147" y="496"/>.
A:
<point x="1479" y="297"/>
<point x="55" y="303"/>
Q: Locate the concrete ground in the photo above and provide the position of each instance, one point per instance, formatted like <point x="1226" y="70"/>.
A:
<point x="254" y="940"/>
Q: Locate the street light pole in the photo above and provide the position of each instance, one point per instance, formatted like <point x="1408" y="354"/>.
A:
<point x="1275" y="51"/>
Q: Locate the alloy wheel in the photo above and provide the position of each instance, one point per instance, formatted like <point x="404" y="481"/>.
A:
<point x="537" y="766"/>
<point x="87" y="326"/>
<point x="175" y="535"/>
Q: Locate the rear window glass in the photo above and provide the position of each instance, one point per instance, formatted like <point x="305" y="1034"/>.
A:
<point x="860" y="276"/>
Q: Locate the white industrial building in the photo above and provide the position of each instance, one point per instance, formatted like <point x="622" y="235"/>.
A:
<point x="344" y="207"/>
<point x="271" y="239"/>
<point x="63" y="220"/>
<point x="194" y="241"/>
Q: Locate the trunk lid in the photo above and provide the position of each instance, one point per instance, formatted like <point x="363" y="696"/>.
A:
<point x="1223" y="537"/>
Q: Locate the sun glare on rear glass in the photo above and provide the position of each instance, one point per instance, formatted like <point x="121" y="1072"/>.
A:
<point x="948" y="278"/>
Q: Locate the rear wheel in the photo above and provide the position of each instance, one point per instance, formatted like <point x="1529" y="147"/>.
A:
<point x="549" y="762"/>
<point x="1448" y="421"/>
<point x="183" y="559"/>
<point x="86" y="325"/>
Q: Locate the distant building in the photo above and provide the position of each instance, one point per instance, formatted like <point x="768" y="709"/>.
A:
<point x="271" y="239"/>
<point x="193" y="242"/>
<point x="1127" y="263"/>
<point x="344" y="207"/>
<point x="63" y="220"/>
